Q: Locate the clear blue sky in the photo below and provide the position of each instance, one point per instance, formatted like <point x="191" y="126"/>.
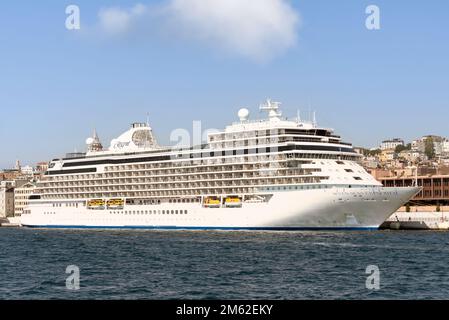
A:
<point x="56" y="85"/>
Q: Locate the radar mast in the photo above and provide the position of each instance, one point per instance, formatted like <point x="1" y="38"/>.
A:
<point x="272" y="108"/>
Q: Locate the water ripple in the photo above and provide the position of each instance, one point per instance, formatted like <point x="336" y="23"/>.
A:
<point x="222" y="265"/>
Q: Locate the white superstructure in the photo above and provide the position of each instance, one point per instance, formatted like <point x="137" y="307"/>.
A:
<point x="270" y="174"/>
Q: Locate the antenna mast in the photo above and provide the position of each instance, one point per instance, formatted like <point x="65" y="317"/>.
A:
<point x="272" y="108"/>
<point x="310" y="112"/>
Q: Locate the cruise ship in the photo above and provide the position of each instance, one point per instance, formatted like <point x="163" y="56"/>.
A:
<point x="269" y="174"/>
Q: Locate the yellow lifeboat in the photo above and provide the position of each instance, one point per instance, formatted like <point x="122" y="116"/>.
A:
<point x="233" y="202"/>
<point x="96" y="204"/>
<point x="115" y="204"/>
<point x="212" y="202"/>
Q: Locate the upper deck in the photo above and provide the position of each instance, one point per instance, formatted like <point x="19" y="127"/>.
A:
<point x="273" y="131"/>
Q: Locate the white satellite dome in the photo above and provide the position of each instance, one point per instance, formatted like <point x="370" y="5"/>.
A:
<point x="89" y="140"/>
<point x="243" y="114"/>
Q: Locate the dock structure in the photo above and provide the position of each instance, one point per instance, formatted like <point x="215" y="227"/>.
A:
<point x="419" y="218"/>
<point x="428" y="210"/>
<point x="13" y="222"/>
<point x="435" y="188"/>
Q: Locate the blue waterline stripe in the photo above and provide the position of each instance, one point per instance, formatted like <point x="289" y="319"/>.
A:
<point x="210" y="228"/>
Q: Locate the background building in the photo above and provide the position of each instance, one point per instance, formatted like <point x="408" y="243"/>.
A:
<point x="16" y="185"/>
<point x="391" y="144"/>
<point x="6" y="199"/>
<point x="21" y="195"/>
<point x="435" y="188"/>
<point x="387" y="155"/>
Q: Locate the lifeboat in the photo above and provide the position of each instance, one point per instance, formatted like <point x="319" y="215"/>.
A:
<point x="233" y="202"/>
<point x="96" y="204"/>
<point x="211" y="202"/>
<point x="115" y="204"/>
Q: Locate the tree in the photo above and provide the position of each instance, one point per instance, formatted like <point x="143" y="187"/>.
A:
<point x="429" y="149"/>
<point x="400" y="148"/>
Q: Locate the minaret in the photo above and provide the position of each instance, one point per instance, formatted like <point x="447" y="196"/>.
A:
<point x="18" y="166"/>
<point x="94" y="143"/>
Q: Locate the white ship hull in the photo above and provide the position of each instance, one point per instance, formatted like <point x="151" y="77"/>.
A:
<point x="333" y="208"/>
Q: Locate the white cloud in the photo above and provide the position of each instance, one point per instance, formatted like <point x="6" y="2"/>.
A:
<point x="256" y="29"/>
<point x="116" y="20"/>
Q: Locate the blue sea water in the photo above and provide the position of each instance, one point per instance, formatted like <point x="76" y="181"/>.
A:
<point x="222" y="265"/>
